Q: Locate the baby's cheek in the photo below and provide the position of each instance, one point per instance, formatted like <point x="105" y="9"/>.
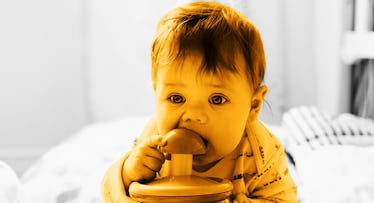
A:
<point x="166" y="122"/>
<point x="224" y="146"/>
<point x="226" y="143"/>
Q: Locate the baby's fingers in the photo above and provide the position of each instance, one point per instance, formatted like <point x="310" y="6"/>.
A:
<point x="148" y="168"/>
<point x="155" y="141"/>
<point x="147" y="174"/>
<point x="241" y="198"/>
<point x="135" y="169"/>
<point x="152" y="163"/>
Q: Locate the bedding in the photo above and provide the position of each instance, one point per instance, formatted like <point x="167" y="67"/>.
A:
<point x="339" y="170"/>
<point x="72" y="171"/>
<point x="9" y="184"/>
<point x="333" y="156"/>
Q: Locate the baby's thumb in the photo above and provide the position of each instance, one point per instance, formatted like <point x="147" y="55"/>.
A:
<point x="156" y="141"/>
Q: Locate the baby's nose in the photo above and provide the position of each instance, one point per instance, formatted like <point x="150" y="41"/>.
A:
<point x="195" y="115"/>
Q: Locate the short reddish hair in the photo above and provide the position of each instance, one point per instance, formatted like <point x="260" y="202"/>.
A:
<point x="214" y="30"/>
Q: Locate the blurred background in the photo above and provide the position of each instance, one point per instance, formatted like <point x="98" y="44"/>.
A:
<point x="67" y="64"/>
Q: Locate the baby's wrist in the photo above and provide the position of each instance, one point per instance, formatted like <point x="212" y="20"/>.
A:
<point x="125" y="178"/>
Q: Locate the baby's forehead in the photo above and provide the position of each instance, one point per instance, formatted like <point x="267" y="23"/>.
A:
<point x="220" y="75"/>
<point x="218" y="68"/>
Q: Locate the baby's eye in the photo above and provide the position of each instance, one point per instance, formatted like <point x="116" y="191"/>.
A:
<point x="177" y="99"/>
<point x="217" y="99"/>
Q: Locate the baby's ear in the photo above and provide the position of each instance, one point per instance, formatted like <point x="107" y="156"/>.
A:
<point x="257" y="101"/>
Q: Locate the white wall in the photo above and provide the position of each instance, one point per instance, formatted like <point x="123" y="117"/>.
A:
<point x="120" y="34"/>
<point x="331" y="19"/>
<point x="315" y="74"/>
<point x="269" y="18"/>
<point x="300" y="77"/>
<point x="42" y="95"/>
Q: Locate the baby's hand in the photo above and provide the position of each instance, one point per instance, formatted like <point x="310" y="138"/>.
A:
<point x="241" y="198"/>
<point x="145" y="159"/>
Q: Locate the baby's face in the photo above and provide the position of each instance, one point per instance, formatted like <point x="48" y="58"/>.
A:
<point x="216" y="107"/>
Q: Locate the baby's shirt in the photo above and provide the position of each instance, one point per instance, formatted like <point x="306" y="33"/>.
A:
<point x="261" y="171"/>
<point x="257" y="168"/>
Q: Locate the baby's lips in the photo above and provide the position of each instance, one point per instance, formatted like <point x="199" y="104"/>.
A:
<point x="183" y="141"/>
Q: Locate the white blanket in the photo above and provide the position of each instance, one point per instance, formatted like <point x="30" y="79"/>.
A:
<point x="335" y="174"/>
<point x="10" y="185"/>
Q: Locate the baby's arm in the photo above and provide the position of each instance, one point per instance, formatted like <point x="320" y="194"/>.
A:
<point x="283" y="191"/>
<point x="271" y="187"/>
<point x="273" y="182"/>
<point x="144" y="160"/>
<point x="141" y="163"/>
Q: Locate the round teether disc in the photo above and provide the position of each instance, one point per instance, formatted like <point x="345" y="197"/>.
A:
<point x="181" y="189"/>
<point x="183" y="141"/>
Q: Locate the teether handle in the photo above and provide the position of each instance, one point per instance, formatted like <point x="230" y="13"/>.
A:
<point x="181" y="164"/>
<point x="182" y="144"/>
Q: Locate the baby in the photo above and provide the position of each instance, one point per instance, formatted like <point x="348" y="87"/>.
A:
<point x="208" y="63"/>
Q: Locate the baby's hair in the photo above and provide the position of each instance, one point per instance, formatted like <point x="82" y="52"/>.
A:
<point x="214" y="30"/>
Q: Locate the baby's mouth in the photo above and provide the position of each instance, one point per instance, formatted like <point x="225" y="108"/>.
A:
<point x="205" y="141"/>
<point x="198" y="157"/>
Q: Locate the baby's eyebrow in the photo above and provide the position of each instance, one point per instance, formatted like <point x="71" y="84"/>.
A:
<point x="218" y="86"/>
<point x="172" y="84"/>
<point x="223" y="88"/>
<point x="213" y="85"/>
